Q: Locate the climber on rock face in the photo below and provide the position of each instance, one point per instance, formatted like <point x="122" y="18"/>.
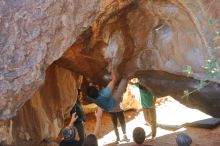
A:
<point x="104" y="97"/>
<point x="110" y="102"/>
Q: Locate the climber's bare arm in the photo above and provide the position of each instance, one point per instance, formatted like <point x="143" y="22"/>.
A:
<point x="111" y="84"/>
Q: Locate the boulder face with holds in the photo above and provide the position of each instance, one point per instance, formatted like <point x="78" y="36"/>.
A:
<point x="46" y="45"/>
<point x="33" y="35"/>
<point x="154" y="41"/>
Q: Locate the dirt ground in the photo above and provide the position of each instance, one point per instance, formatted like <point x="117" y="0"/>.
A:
<point x="165" y="137"/>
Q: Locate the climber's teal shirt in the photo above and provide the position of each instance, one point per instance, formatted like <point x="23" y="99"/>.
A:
<point x="105" y="99"/>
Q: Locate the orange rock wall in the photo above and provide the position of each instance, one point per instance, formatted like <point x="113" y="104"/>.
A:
<point x="43" y="116"/>
<point x="157" y="37"/>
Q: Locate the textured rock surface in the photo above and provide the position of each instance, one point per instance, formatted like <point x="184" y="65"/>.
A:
<point x="42" y="117"/>
<point x="145" y="35"/>
<point x="163" y="84"/>
<point x="150" y="35"/>
<point x="32" y="35"/>
<point x="152" y="40"/>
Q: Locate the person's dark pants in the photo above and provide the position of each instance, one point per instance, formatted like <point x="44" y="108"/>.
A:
<point x="115" y="116"/>
<point x="81" y="132"/>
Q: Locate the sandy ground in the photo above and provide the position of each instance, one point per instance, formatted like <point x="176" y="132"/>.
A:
<point x="165" y="137"/>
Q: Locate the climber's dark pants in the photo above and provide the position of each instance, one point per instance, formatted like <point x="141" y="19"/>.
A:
<point x="115" y="116"/>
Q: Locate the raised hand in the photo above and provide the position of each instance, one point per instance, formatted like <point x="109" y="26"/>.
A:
<point x="73" y="118"/>
<point x="98" y="113"/>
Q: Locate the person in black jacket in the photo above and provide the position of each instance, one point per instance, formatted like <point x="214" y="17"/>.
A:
<point x="79" y="123"/>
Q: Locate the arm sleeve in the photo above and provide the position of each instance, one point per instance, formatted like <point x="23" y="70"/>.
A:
<point x="106" y="92"/>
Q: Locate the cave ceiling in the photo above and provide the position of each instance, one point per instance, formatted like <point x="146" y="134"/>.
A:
<point x="46" y="46"/>
<point x="151" y="40"/>
<point x="139" y="37"/>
